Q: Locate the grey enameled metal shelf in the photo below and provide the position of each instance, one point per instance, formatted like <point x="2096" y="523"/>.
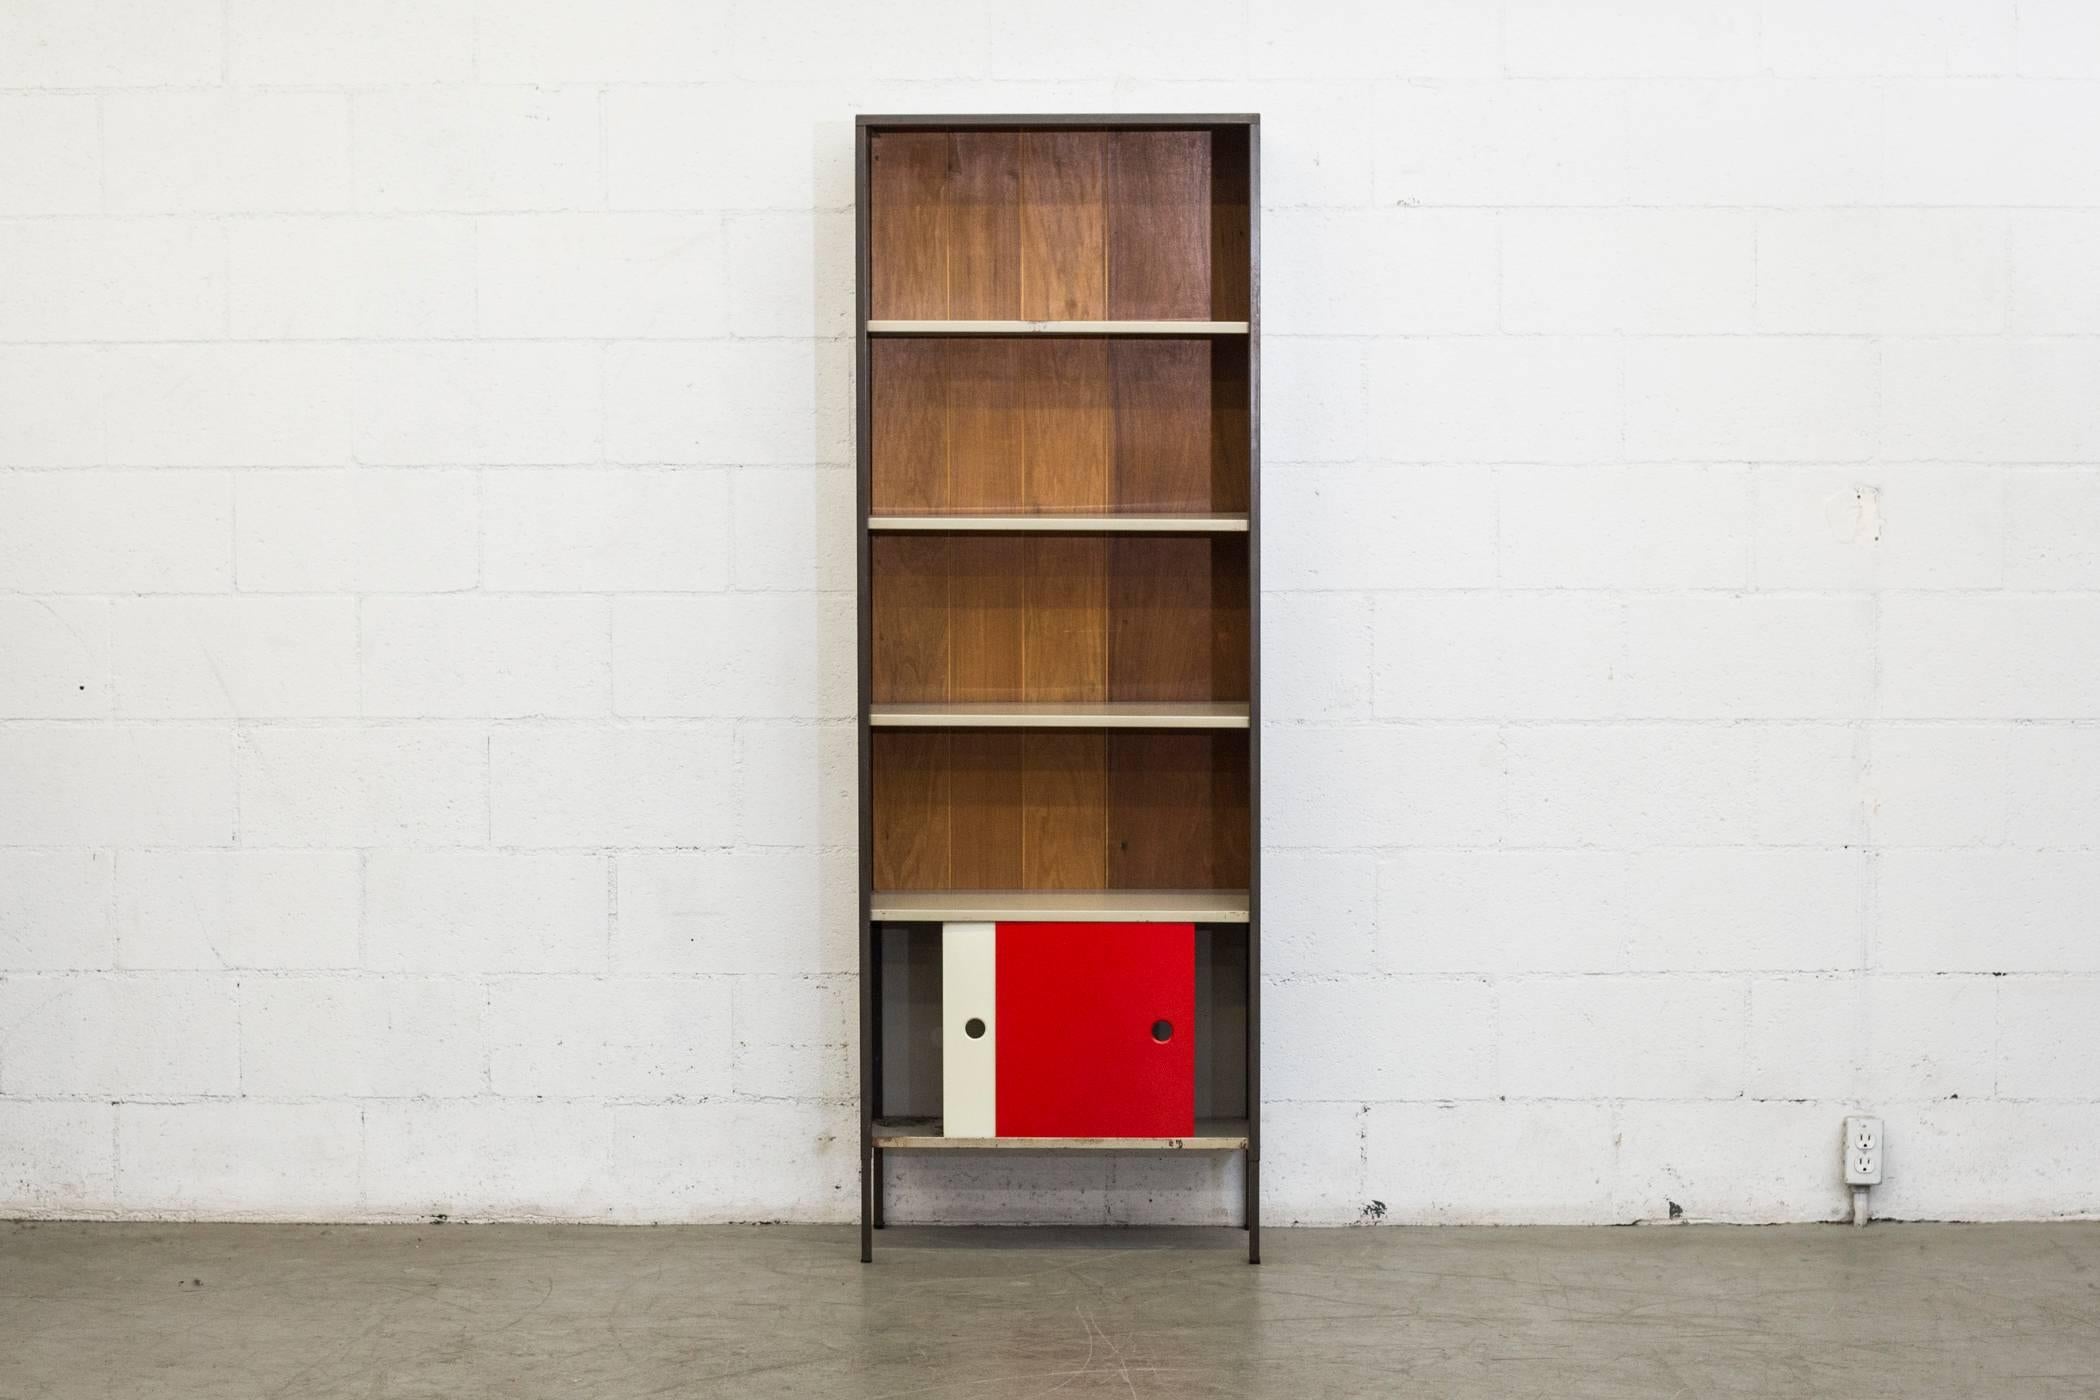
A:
<point x="1112" y="328"/>
<point x="1103" y="524"/>
<point x="924" y="1135"/>
<point x="1109" y="714"/>
<point x="1059" y="906"/>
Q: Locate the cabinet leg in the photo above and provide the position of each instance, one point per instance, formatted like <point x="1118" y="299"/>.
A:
<point x="1253" y="1209"/>
<point x="876" y="1212"/>
<point x="867" y="1218"/>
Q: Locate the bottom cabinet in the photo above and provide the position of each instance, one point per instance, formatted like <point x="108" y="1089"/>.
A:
<point x="1068" y="1030"/>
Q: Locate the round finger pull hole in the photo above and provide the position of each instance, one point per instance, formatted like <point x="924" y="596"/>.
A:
<point x="974" y="1028"/>
<point x="1162" y="1031"/>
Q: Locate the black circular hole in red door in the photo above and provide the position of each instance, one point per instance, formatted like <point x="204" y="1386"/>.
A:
<point x="1162" y="1031"/>
<point x="974" y="1028"/>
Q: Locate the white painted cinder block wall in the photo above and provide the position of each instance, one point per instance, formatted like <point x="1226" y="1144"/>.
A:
<point x="425" y="637"/>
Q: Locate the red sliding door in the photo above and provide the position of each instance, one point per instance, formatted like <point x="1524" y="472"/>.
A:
<point x="1096" y="1030"/>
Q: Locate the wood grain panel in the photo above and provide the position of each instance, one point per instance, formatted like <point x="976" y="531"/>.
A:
<point x="1231" y="622"/>
<point x="911" y="805"/>
<point x="1067" y="619"/>
<point x="1067" y="424"/>
<point x="909" y="456"/>
<point x="987" y="614"/>
<point x="1059" y="225"/>
<point x="909" y="606"/>
<point x="906" y="178"/>
<point x="1051" y="618"/>
<point x="1064" y="226"/>
<point x="1230" y="225"/>
<point x="1231" y="446"/>
<point x="981" y="225"/>
<point x="1059" y="810"/>
<point x="1064" y="800"/>
<point x="1159" y="225"/>
<point x="1232" y="835"/>
<point x="986" y="835"/>
<point x="977" y="382"/>
<point x="1160" y="818"/>
<point x="1159" y="642"/>
<point x="1162" y="418"/>
<point x="1013" y="425"/>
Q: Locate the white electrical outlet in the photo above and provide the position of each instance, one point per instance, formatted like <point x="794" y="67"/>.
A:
<point x="1862" y="1150"/>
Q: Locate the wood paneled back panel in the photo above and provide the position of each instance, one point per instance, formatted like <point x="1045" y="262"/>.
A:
<point x="1056" y="810"/>
<point x="1177" y="811"/>
<point x="1231" y="226"/>
<point x="1063" y="218"/>
<point x="1021" y="426"/>
<point x="1058" y="618"/>
<point x="1058" y="225"/>
<point x="1159" y="225"/>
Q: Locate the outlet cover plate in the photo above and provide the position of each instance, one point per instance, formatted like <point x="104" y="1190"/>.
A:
<point x="1862" y="1150"/>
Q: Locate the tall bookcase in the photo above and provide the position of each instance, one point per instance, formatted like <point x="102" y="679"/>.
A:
<point x="1058" y="335"/>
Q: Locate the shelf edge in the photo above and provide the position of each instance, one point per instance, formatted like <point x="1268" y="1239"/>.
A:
<point x="922" y="717"/>
<point x="1076" y="524"/>
<point x="893" y="1140"/>
<point x="1056" y="907"/>
<point x="1169" y="328"/>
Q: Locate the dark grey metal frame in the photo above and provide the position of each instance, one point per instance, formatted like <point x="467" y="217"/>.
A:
<point x="871" y="1157"/>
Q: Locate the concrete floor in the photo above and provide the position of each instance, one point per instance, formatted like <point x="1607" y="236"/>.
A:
<point x="178" y="1311"/>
